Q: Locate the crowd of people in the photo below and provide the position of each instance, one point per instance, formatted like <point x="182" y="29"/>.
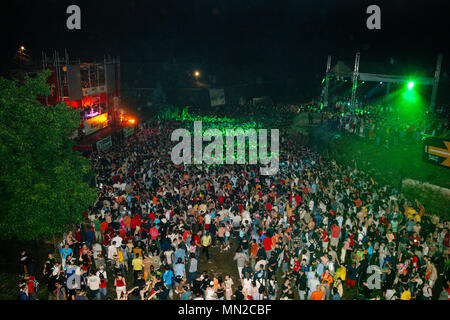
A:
<point x="314" y="231"/>
<point x="385" y="126"/>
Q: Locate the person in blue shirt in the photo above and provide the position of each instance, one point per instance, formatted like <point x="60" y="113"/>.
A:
<point x="129" y="199"/>
<point x="320" y="268"/>
<point x="186" y="294"/>
<point x="23" y="293"/>
<point x="303" y="266"/>
<point x="179" y="271"/>
<point x="65" y="252"/>
<point x="90" y="237"/>
<point x="70" y="270"/>
<point x="234" y="180"/>
<point x="180" y="253"/>
<point x="318" y="217"/>
<point x="370" y="248"/>
<point x="168" y="279"/>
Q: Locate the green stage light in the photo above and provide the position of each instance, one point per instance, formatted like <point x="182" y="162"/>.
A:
<point x="410" y="85"/>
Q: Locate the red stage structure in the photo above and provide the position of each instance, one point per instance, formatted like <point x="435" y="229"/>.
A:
<point x="93" y="88"/>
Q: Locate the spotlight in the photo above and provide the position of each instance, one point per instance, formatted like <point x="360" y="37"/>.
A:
<point x="410" y="85"/>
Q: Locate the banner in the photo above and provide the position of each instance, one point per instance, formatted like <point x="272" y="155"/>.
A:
<point x="93" y="91"/>
<point x="104" y="144"/>
<point x="437" y="151"/>
<point x="128" y="131"/>
<point x="217" y="97"/>
<point x="96" y="123"/>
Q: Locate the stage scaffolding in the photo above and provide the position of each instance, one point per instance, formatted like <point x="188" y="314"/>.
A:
<point x="372" y="77"/>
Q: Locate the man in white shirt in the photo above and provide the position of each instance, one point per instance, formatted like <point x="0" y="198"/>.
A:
<point x="112" y="250"/>
<point x="312" y="285"/>
<point x="103" y="276"/>
<point x="93" y="282"/>
<point x="96" y="250"/>
<point x="207" y="220"/>
<point x="237" y="221"/>
<point x="118" y="240"/>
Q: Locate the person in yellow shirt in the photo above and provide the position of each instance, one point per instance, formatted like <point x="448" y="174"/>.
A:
<point x="341" y="273"/>
<point x="406" y="294"/>
<point x="138" y="265"/>
<point x="206" y="242"/>
<point x="137" y="251"/>
<point x="121" y="259"/>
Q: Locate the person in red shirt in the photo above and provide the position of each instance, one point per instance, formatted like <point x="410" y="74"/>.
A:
<point x="108" y="237"/>
<point x="103" y="227"/>
<point x="267" y="243"/>
<point x="197" y="242"/>
<point x="185" y="235"/>
<point x="123" y="233"/>
<point x="325" y="240"/>
<point x="78" y="235"/>
<point x="31" y="287"/>
<point x="415" y="240"/>
<point x="446" y="240"/>
<point x="298" y="199"/>
<point x="133" y="224"/>
<point x="154" y="233"/>
<point x="335" y="231"/>
<point x="352" y="241"/>
<point x="297" y="265"/>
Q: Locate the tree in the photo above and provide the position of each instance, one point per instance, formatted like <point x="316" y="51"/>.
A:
<point x="42" y="180"/>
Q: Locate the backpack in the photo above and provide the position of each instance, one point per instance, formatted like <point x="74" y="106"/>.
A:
<point x="101" y="276"/>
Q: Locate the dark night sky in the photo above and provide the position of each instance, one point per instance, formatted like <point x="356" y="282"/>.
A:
<point x="281" y="37"/>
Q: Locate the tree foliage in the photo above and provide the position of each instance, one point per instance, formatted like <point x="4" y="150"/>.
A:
<point x="42" y="181"/>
